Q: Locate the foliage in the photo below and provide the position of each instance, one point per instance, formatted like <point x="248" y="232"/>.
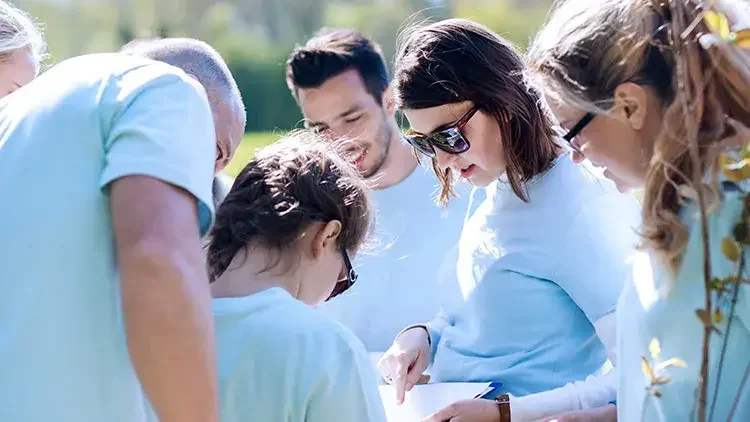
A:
<point x="255" y="39"/>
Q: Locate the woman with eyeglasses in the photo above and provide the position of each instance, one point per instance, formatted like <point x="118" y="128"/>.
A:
<point x="281" y="244"/>
<point x="659" y="93"/>
<point x="541" y="260"/>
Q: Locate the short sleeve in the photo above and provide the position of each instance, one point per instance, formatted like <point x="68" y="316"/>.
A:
<point x="348" y="391"/>
<point x="596" y="258"/>
<point x="160" y="125"/>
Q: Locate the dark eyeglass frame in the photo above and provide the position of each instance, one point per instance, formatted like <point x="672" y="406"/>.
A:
<point x="346" y="282"/>
<point x="577" y="128"/>
<point x="444" y="139"/>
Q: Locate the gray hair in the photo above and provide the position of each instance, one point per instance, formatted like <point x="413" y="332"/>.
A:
<point x="196" y="58"/>
<point x="19" y="30"/>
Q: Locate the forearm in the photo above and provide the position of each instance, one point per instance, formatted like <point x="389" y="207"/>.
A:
<point x="593" y="392"/>
<point x="166" y="303"/>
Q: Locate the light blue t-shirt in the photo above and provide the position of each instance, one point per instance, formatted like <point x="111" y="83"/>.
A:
<point x="659" y="309"/>
<point x="403" y="278"/>
<point x="63" y="138"/>
<point x="281" y="361"/>
<point x="534" y="277"/>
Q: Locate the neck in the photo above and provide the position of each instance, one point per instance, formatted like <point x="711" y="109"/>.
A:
<point x="398" y="164"/>
<point x="245" y="277"/>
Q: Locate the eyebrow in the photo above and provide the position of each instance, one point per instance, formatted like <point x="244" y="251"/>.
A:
<point x="353" y="109"/>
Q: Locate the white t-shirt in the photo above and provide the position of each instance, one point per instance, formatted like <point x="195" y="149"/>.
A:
<point x="279" y="360"/>
<point x="404" y="279"/>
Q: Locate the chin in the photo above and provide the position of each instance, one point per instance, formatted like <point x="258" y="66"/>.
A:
<point x="480" y="180"/>
<point x="621" y="186"/>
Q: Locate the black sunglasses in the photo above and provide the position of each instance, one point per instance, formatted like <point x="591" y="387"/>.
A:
<point x="577" y="128"/>
<point x="450" y="139"/>
<point x="346" y="282"/>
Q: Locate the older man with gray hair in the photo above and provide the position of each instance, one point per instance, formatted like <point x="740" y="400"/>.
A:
<point x="105" y="292"/>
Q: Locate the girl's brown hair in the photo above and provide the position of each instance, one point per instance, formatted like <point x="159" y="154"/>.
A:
<point x="589" y="48"/>
<point x="297" y="180"/>
<point x="459" y="60"/>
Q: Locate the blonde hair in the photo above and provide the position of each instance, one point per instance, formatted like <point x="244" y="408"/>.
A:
<point x="589" y="48"/>
<point x="19" y="30"/>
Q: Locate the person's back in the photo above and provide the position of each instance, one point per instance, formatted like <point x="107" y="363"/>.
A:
<point x="282" y="361"/>
<point x="68" y="135"/>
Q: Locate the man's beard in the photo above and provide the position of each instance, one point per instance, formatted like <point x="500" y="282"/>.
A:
<point x="386" y="146"/>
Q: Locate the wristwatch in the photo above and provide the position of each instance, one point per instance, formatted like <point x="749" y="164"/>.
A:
<point x="503" y="404"/>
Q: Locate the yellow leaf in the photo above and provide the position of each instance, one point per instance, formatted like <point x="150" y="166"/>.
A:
<point x="718" y="317"/>
<point x="742" y="38"/>
<point x="671" y="362"/>
<point x="654" y="348"/>
<point x="735" y="170"/>
<point x="646" y="368"/>
<point x="731" y="249"/>
<point x="746" y="146"/>
<point x="704" y="316"/>
<point x="718" y="24"/>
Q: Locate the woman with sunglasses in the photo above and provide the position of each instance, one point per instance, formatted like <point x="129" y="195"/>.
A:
<point x="541" y="260"/>
<point x="281" y="245"/>
<point x="659" y="93"/>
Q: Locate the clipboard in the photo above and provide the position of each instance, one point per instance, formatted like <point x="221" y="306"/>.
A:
<point x="491" y="392"/>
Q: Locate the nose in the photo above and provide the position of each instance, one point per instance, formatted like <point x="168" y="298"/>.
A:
<point x="578" y="154"/>
<point x="444" y="160"/>
<point x="578" y="157"/>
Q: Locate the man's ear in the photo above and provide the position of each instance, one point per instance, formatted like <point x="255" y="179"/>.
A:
<point x="326" y="236"/>
<point x="389" y="101"/>
<point x="631" y="104"/>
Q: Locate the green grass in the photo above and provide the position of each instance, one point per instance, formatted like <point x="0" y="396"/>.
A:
<point x="246" y="150"/>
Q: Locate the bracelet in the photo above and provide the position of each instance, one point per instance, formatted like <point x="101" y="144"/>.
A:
<point x="503" y="404"/>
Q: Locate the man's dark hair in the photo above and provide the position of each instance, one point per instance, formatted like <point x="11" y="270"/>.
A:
<point x="331" y="52"/>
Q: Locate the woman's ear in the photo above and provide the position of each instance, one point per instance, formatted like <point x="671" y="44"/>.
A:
<point x="326" y="237"/>
<point x="631" y="103"/>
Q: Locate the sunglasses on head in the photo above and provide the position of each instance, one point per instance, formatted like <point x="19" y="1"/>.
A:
<point x="450" y="139"/>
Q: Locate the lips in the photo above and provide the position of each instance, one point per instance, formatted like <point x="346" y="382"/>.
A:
<point x="359" y="159"/>
<point x="468" y="171"/>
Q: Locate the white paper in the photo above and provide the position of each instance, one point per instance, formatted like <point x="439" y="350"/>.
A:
<point x="423" y="400"/>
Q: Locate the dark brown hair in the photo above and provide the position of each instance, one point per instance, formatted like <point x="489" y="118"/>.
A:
<point x="333" y="51"/>
<point x="459" y="60"/>
<point x="298" y="180"/>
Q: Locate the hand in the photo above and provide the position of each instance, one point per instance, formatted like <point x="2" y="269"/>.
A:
<point x="607" y="413"/>
<point x="475" y="410"/>
<point x="404" y="362"/>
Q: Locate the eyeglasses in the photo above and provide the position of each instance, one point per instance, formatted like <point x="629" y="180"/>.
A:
<point x="346" y="282"/>
<point x="450" y="139"/>
<point x="577" y="128"/>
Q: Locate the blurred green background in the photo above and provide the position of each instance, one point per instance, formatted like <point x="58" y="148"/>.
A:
<point x="256" y="36"/>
